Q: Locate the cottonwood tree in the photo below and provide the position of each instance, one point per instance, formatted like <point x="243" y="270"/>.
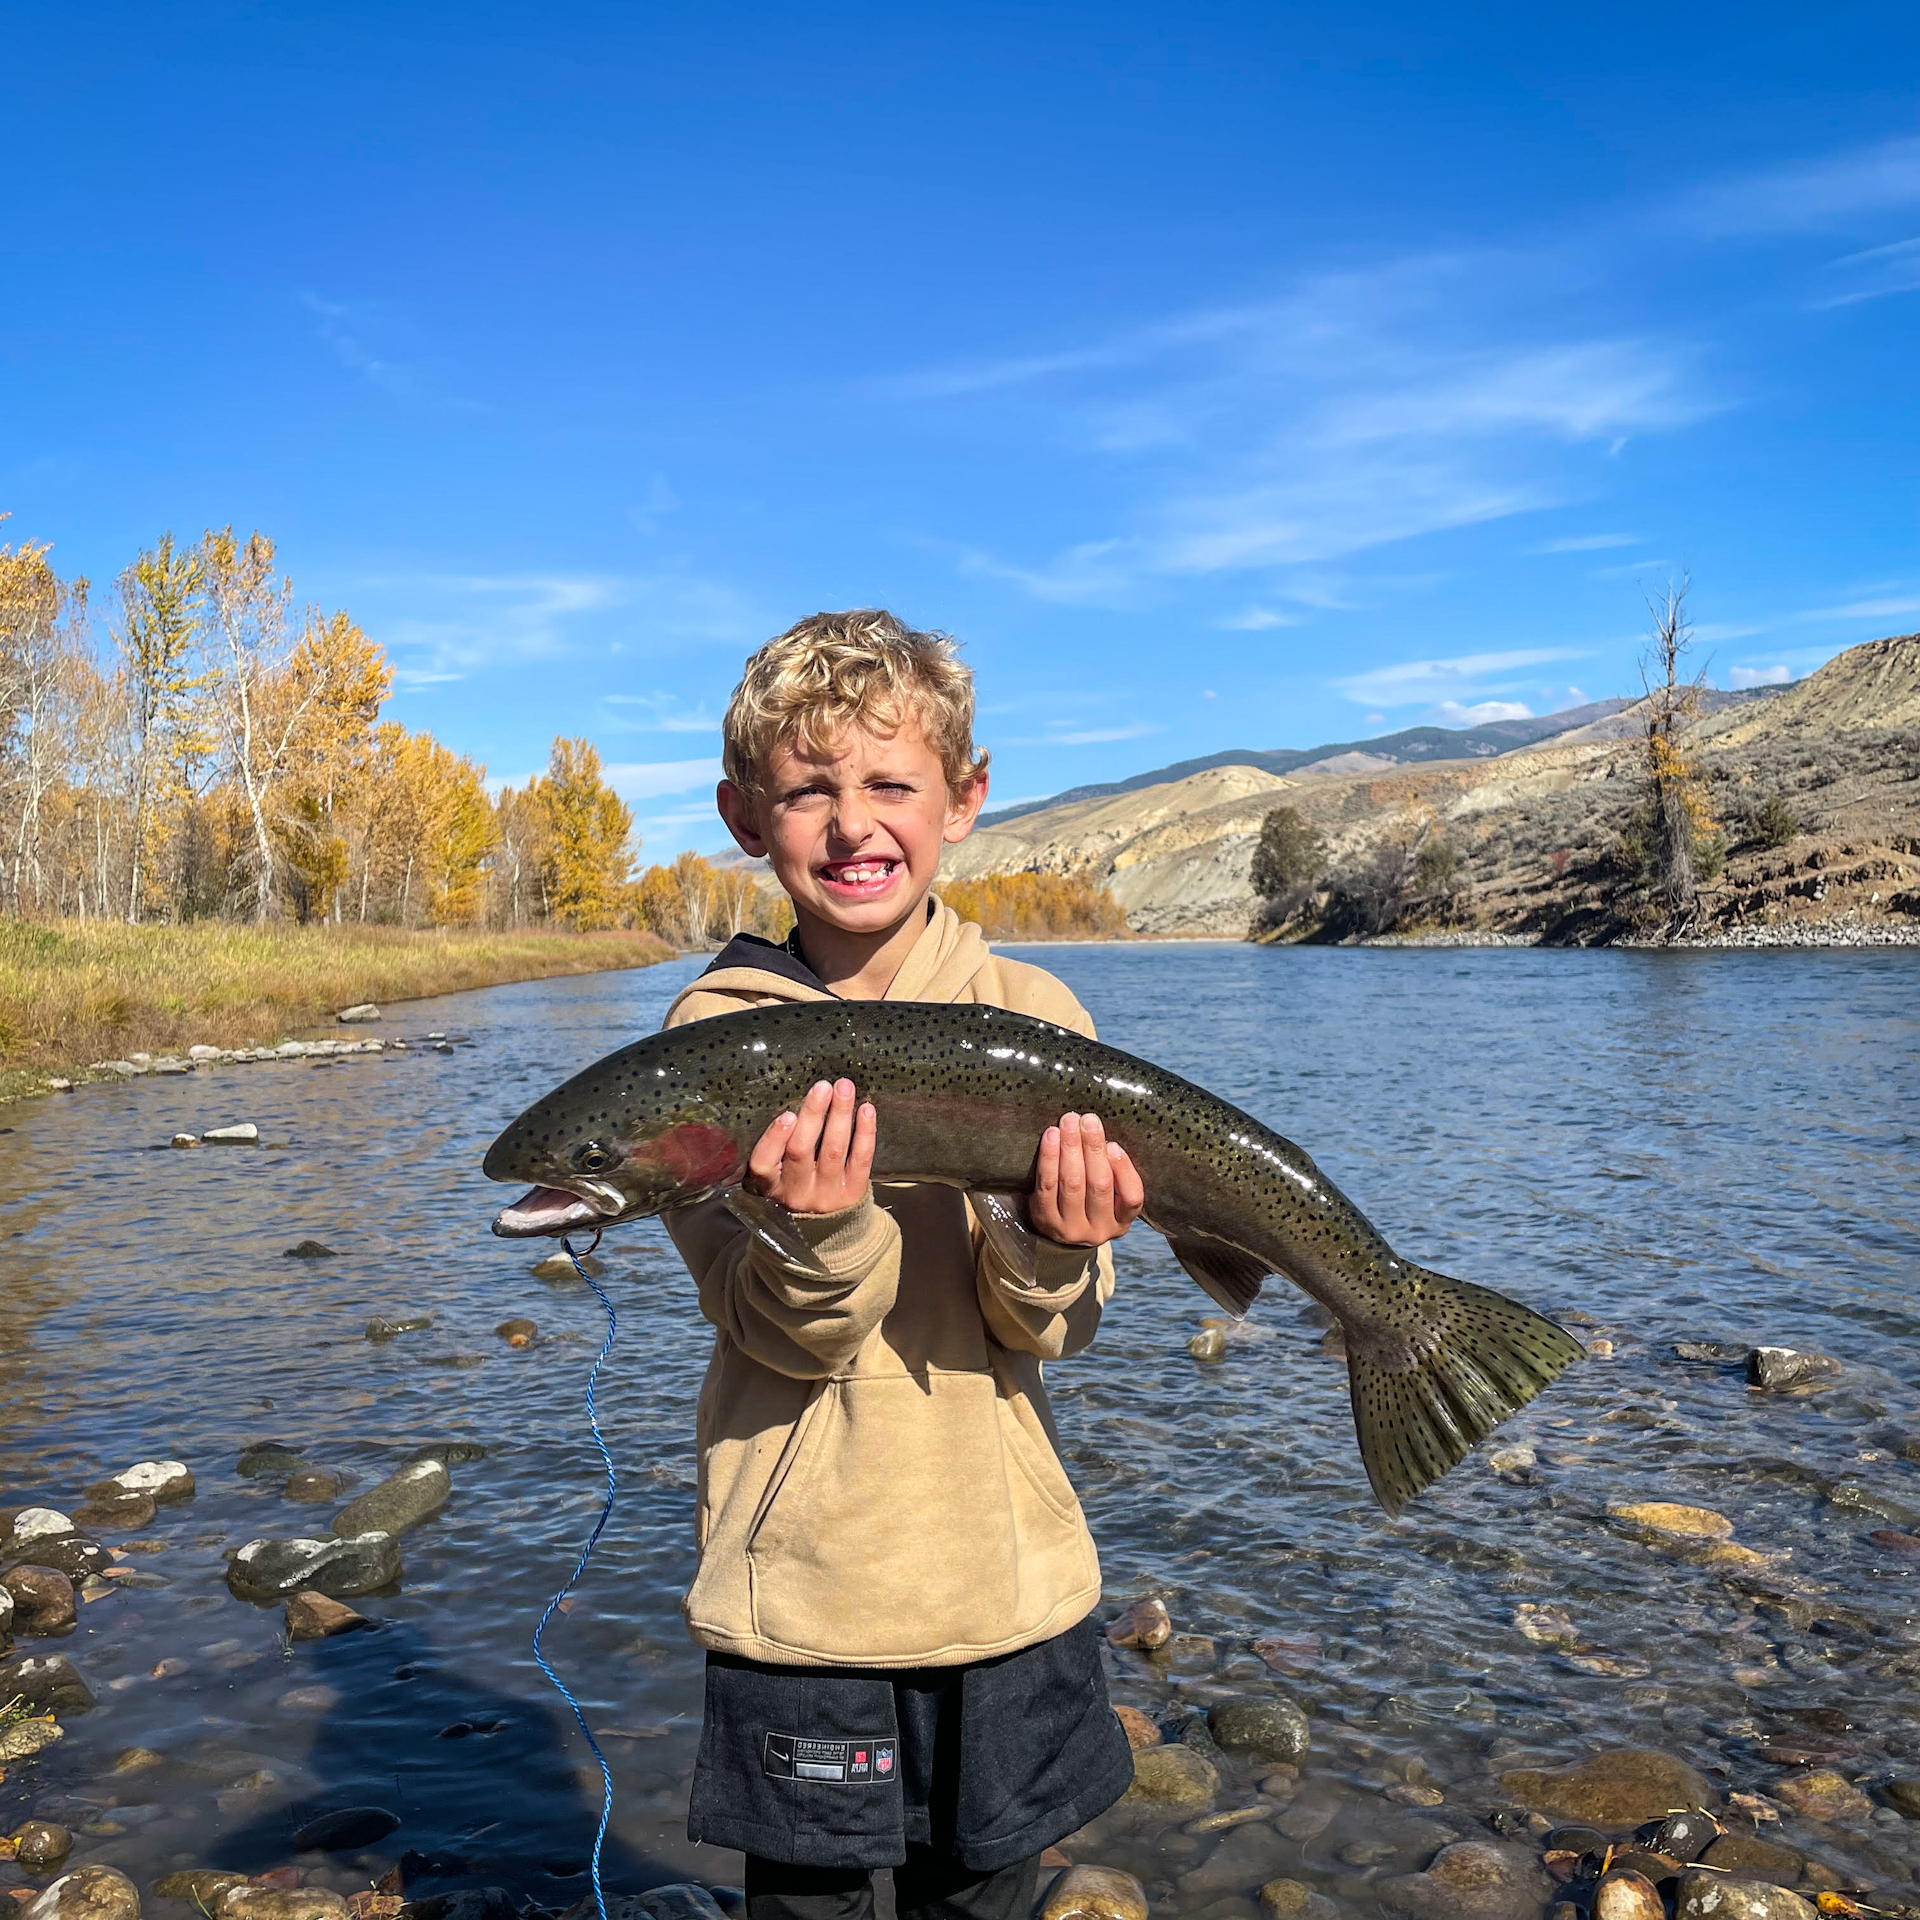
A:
<point x="589" y="862"/>
<point x="1678" y="825"/>
<point x="38" y="658"/>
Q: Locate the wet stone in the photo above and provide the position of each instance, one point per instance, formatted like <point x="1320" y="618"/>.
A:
<point x="1626" y="1895"/>
<point x="267" y="1460"/>
<point x="269" y="1569"/>
<point x="46" y="1683"/>
<point x="1747" y="1853"/>
<point x="402" y="1500"/>
<point x="518" y="1332"/>
<point x="41" y="1844"/>
<point x="1713" y="1896"/>
<point x="22" y="1739"/>
<point x="310" y="1250"/>
<point x="1685" y="1836"/>
<point x="1208" y="1346"/>
<point x="87" y="1893"/>
<point x="1471" y="1880"/>
<point x="280" y="1903"/>
<point x="1719" y="1351"/>
<point x="73" y="1554"/>
<point x="450" y="1453"/>
<point x="1667" y="1516"/>
<point x="243" y="1134"/>
<point x="36" y="1523"/>
<point x="1095" y="1893"/>
<point x="1825" y="1795"/>
<point x="314" y="1486"/>
<point x="200" y="1886"/>
<point x="1903" y="1796"/>
<point x="1140" y="1731"/>
<point x="315" y="1616"/>
<point x="344" y="1828"/>
<point x="558" y="1266"/>
<point x="380" y="1330"/>
<point x="1619" y="1788"/>
<point x="1295" y="1900"/>
<point x="111" y="1507"/>
<point x="1173" y="1776"/>
<point x="162" y="1481"/>
<point x="42" y="1599"/>
<point x="1144" y="1625"/>
<point x="1266" y="1729"/>
<point x="1771" y="1368"/>
<point x="1892" y="1540"/>
<point x="1243" y="1861"/>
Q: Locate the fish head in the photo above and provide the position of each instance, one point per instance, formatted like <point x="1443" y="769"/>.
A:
<point x="608" y="1151"/>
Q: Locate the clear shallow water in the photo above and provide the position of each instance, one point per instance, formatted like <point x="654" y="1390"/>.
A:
<point x="1684" y="1146"/>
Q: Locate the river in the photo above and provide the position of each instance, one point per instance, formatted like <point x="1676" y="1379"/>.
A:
<point x="1658" y="1147"/>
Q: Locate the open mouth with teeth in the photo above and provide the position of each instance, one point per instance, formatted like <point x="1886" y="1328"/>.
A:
<point x="862" y="879"/>
<point x="550" y="1210"/>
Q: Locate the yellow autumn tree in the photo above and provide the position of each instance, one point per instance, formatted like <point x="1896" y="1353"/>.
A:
<point x="589" y="863"/>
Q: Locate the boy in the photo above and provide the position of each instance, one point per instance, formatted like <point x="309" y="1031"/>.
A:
<point x="895" y="1577"/>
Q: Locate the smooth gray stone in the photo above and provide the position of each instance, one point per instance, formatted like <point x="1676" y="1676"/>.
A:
<point x="272" y="1569"/>
<point x="267" y="1460"/>
<point x="402" y="1500"/>
<point x="47" y="1682"/>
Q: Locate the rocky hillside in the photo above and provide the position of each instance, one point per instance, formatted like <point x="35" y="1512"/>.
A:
<point x="1535" y="830"/>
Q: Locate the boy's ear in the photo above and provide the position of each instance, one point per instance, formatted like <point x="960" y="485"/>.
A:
<point x="743" y="822"/>
<point x="963" y="808"/>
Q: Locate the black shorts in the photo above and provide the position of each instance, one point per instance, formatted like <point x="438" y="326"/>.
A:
<point x="986" y="1763"/>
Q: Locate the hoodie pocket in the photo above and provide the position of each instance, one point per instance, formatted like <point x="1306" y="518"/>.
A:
<point x="909" y="1525"/>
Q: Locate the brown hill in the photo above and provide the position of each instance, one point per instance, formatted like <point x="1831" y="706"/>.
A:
<point x="1535" y="831"/>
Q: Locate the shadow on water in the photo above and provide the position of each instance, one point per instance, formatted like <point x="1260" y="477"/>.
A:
<point x="489" y="1790"/>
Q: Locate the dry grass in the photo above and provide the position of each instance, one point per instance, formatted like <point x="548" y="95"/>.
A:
<point x="70" y="994"/>
<point x="1037" y="906"/>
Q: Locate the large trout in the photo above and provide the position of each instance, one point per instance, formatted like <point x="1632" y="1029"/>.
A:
<point x="963" y="1094"/>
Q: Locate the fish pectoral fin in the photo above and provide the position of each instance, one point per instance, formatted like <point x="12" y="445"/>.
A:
<point x="1419" y="1413"/>
<point x="1222" y="1271"/>
<point x="1003" y="1222"/>
<point x="772" y="1225"/>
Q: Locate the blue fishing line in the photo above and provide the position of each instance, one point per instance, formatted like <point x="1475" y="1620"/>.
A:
<point x="573" y="1579"/>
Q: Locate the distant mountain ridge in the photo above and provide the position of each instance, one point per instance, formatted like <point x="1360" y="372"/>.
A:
<point x="1387" y="749"/>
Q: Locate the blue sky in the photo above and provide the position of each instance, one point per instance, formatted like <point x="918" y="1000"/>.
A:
<point x="1221" y="375"/>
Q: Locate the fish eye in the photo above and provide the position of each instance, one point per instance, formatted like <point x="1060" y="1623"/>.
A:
<point x="595" y="1157"/>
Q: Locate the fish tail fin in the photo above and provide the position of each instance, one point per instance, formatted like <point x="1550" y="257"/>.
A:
<point x="1419" y="1417"/>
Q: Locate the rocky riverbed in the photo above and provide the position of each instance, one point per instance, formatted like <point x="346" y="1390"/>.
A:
<point x="1681" y="1584"/>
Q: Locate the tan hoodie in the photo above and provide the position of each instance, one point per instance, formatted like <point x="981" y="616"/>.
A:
<point x="879" y="1484"/>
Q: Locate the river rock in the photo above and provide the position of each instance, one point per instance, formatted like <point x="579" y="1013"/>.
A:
<point x="1095" y="1893"/>
<point x="1619" y="1788"/>
<point x="316" y="1616"/>
<point x="1771" y="1368"/>
<point x="36" y="1523"/>
<point x="111" y="1506"/>
<point x="1295" y="1900"/>
<point x="6" y="1616"/>
<point x="1666" y="1516"/>
<point x="267" y="1460"/>
<point x="400" y="1501"/>
<point x="202" y="1886"/>
<point x="312" y="1486"/>
<point x="450" y="1453"/>
<point x="1144" y="1624"/>
<point x="184" y="1140"/>
<point x="42" y="1599"/>
<point x="46" y="1682"/>
<point x="1747" y="1853"/>
<point x="1625" y="1895"/>
<point x="358" y="1016"/>
<point x="1716" y="1896"/>
<point x="22" y="1739"/>
<point x="74" y="1554"/>
<point x="310" y="1250"/>
<point x="1267" y="1729"/>
<point x="1825" y="1795"/>
<point x="345" y="1828"/>
<point x="41" y="1844"/>
<point x="1245" y="1858"/>
<point x="382" y="1329"/>
<point x="559" y="1266"/>
<point x="1892" y="1540"/>
<point x="1140" y="1731"/>
<point x="270" y="1569"/>
<point x="1902" y="1795"/>
<point x="517" y="1333"/>
<point x="87" y="1893"/>
<point x="1470" y="1880"/>
<point x="248" y="1902"/>
<point x="245" y="1134"/>
<point x="1685" y="1836"/>
<point x="1719" y="1351"/>
<point x="1173" y="1776"/>
<point x="1208" y="1346"/>
<point x="162" y="1481"/>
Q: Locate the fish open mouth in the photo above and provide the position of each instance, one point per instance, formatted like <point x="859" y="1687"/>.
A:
<point x="550" y="1210"/>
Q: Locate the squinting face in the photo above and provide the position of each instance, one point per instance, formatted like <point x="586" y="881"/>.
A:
<point x="853" y="832"/>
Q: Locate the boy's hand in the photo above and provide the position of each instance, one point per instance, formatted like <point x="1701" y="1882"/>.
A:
<point x="1088" y="1191"/>
<point x="817" y="1160"/>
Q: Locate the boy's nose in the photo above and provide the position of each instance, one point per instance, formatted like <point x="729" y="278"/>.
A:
<point x="852" y="820"/>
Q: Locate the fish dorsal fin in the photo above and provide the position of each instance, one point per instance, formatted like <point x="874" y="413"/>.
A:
<point x="1003" y="1223"/>
<point x="1222" y="1271"/>
<point x="772" y="1225"/>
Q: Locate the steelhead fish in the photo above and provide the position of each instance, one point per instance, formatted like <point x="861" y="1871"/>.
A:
<point x="963" y="1094"/>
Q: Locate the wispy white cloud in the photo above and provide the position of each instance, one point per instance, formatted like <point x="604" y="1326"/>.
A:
<point x="1893" y="609"/>
<point x="1809" y="195"/>
<point x="1587" y="543"/>
<point x="1442" y="682"/>
<point x="1452" y="714"/>
<point x="1065" y="735"/>
<point x="1259" y="620"/>
<point x="1712" y="630"/>
<point x="1775" y="676"/>
<point x="1872" y="275"/>
<point x="635" y="780"/>
<point x="656" y="713"/>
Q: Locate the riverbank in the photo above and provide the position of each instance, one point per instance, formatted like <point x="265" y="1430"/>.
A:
<point x="72" y="994"/>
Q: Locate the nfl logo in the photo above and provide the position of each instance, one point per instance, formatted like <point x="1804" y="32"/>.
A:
<point x="883" y="1760"/>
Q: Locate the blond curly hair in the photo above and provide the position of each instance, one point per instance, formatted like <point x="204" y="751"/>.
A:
<point x="833" y="670"/>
